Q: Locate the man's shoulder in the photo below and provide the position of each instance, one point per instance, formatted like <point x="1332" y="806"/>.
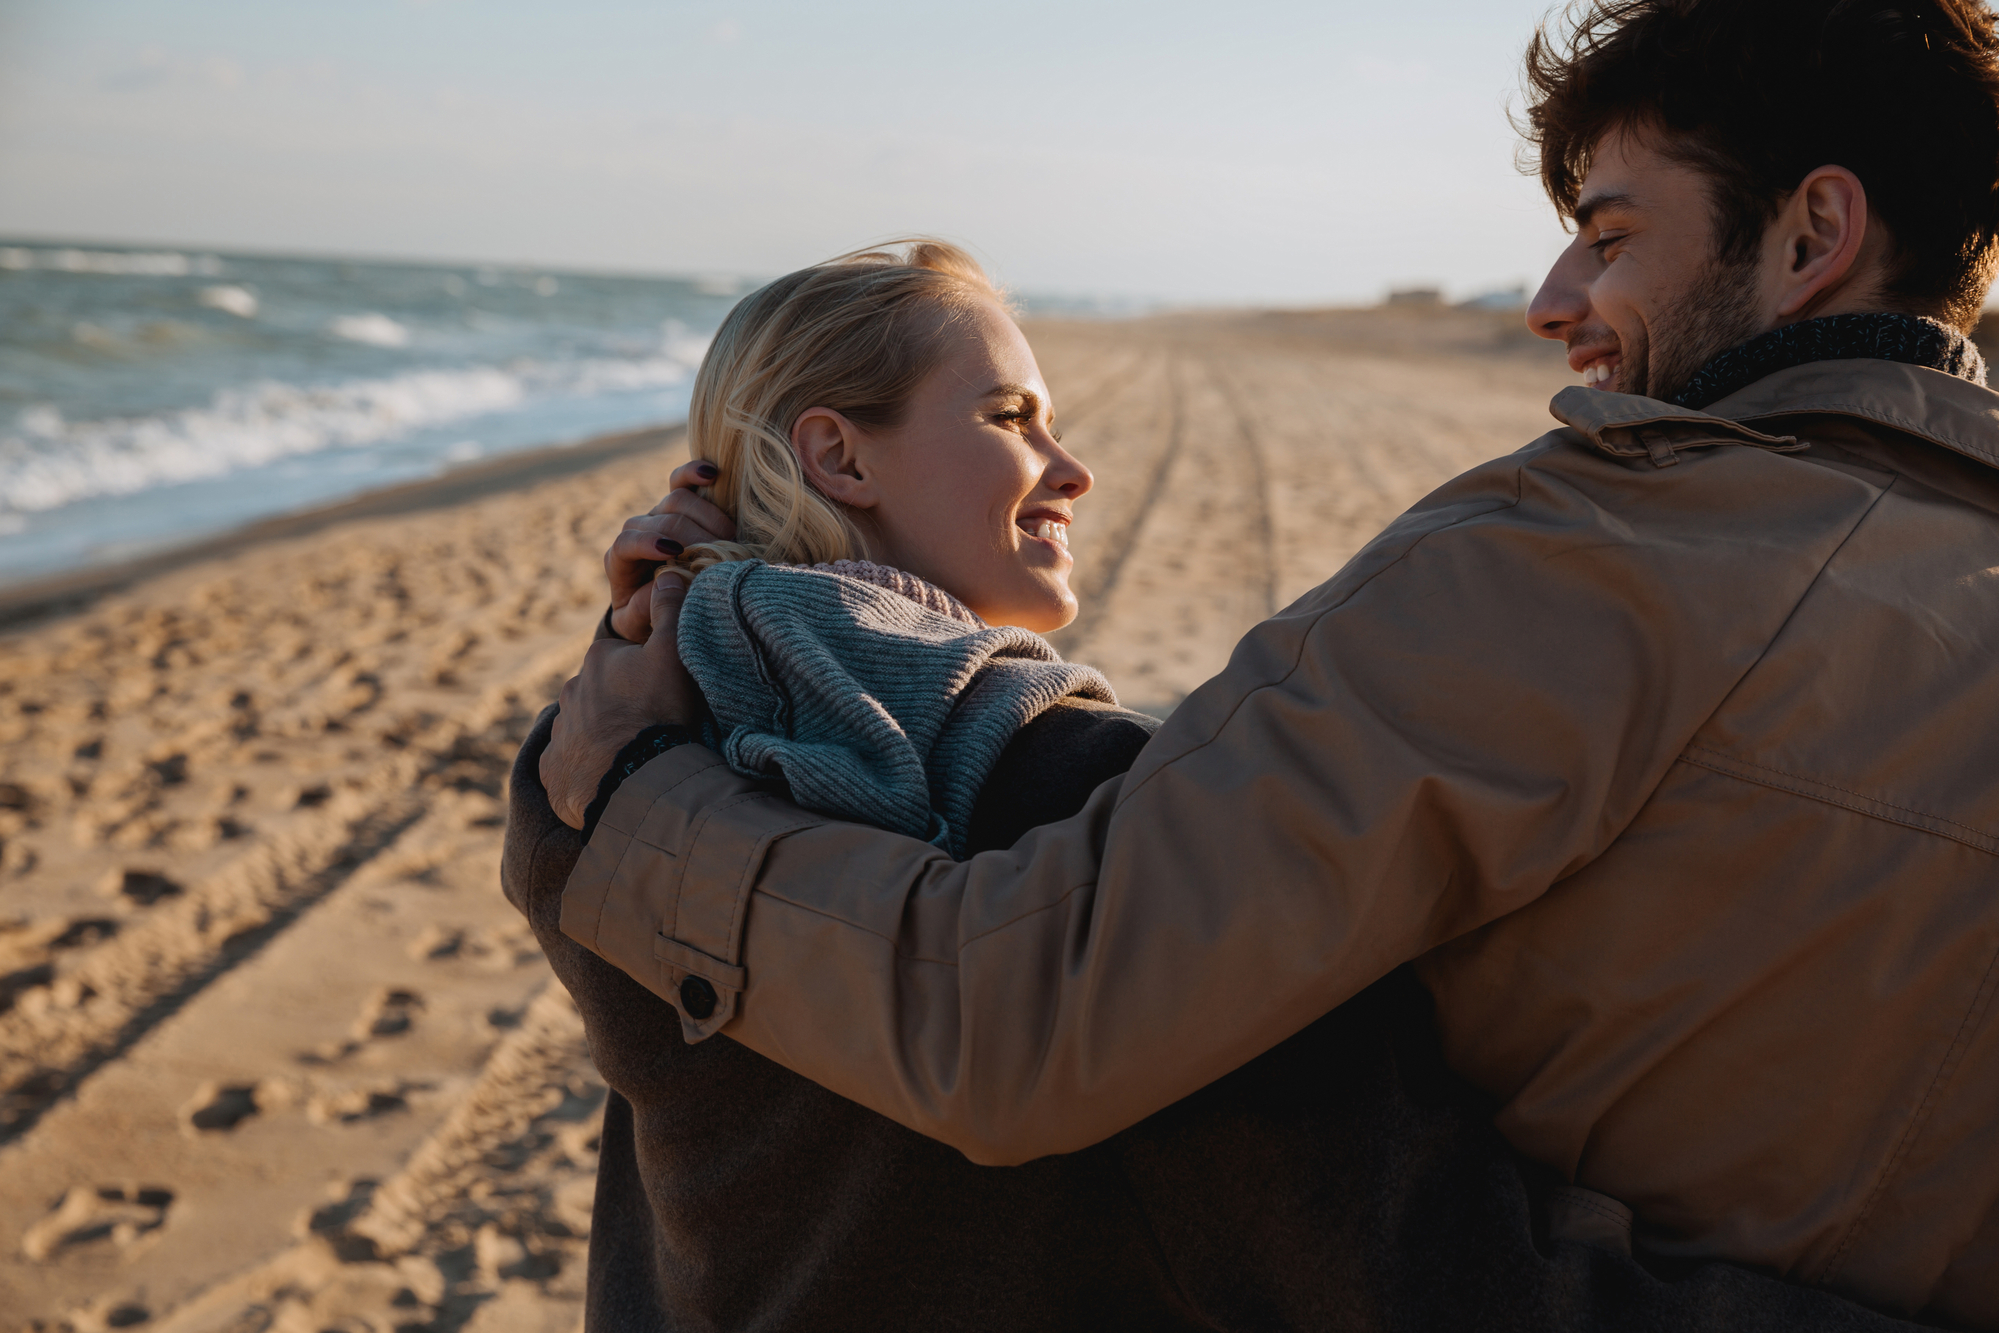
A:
<point x="1637" y="498"/>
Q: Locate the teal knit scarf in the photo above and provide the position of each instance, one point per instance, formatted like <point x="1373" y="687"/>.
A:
<point x="875" y="697"/>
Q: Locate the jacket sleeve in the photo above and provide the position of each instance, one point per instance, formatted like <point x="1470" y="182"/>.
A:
<point x="1470" y="711"/>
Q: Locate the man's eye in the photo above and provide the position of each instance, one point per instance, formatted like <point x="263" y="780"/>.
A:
<point x="1604" y="242"/>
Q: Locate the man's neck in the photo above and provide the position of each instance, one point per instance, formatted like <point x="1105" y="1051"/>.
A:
<point x="1875" y="335"/>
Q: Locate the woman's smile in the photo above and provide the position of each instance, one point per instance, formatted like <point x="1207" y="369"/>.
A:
<point x="1047" y="527"/>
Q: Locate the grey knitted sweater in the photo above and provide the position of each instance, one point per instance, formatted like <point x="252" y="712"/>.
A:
<point x="875" y="695"/>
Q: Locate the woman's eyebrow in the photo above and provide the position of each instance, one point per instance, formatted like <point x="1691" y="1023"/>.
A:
<point x="1012" y="391"/>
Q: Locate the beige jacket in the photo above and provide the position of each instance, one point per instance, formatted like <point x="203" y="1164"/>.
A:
<point x="1669" y="745"/>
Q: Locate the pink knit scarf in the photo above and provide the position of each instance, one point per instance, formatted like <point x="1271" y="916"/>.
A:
<point x="926" y="595"/>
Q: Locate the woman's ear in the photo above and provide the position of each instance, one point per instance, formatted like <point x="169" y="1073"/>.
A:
<point x="829" y="448"/>
<point x="1824" y="233"/>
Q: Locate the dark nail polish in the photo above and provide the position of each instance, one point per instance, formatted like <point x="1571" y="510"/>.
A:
<point x="669" y="546"/>
<point x="708" y="471"/>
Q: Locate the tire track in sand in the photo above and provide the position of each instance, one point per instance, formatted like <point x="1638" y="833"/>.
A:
<point x="1257" y="462"/>
<point x="1097" y="582"/>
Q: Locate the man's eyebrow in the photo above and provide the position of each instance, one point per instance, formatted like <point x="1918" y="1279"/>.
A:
<point x="1588" y="207"/>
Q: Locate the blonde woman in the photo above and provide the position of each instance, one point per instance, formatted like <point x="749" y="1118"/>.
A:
<point x="883" y="531"/>
<point x="874" y="527"/>
<point x="885" y="451"/>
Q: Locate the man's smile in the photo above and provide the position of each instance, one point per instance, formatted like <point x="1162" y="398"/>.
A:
<point x="1596" y="364"/>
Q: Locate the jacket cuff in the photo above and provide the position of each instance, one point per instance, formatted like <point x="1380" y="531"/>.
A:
<point x="662" y="889"/>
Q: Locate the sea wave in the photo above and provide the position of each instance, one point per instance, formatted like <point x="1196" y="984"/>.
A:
<point x="371" y="328"/>
<point x="47" y="462"/>
<point x="239" y="301"/>
<point x="144" y="264"/>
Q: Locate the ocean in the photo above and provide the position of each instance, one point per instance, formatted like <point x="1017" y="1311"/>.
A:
<point x="149" y="397"/>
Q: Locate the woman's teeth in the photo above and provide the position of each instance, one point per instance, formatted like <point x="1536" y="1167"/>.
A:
<point x="1050" y="531"/>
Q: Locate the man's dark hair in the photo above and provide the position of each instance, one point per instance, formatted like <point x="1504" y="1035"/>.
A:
<point x="1757" y="94"/>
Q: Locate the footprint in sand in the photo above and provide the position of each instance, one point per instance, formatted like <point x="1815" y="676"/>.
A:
<point x="27" y="966"/>
<point x="117" y="1215"/>
<point x="389" y="1012"/>
<point x="142" y="888"/>
<point x="350" y="1105"/>
<point x="219" y="1107"/>
<point x="437" y="941"/>
<point x="84" y="932"/>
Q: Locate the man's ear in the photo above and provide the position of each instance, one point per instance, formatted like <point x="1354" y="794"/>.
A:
<point x="829" y="448"/>
<point x="1822" y="231"/>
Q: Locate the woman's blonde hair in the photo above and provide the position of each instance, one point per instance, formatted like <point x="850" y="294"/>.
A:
<point x="856" y="334"/>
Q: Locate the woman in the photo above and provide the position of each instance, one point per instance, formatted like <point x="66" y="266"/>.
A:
<point x="884" y="409"/>
<point x="884" y="413"/>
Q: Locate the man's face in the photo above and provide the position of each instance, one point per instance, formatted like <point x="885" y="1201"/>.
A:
<point x="1640" y="296"/>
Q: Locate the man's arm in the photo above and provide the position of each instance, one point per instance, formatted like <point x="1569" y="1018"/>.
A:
<point x="1470" y="711"/>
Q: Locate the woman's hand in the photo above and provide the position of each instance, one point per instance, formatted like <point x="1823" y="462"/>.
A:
<point x="681" y="520"/>
<point x="622" y="689"/>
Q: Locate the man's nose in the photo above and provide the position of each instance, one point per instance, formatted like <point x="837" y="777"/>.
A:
<point x="1563" y="301"/>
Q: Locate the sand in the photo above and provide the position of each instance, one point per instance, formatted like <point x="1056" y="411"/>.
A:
<point x="274" y="1051"/>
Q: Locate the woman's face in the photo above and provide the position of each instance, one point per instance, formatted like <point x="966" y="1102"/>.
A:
<point x="972" y="490"/>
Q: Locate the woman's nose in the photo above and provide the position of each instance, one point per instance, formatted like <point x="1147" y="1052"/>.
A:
<point x="1067" y="474"/>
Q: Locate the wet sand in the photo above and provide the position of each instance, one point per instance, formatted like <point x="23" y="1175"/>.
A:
<point x="274" y="1051"/>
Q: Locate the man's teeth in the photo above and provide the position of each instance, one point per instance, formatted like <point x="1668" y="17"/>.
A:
<point x="1049" y="530"/>
<point x="1597" y="373"/>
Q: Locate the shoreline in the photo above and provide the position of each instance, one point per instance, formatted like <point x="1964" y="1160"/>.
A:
<point x="1479" y="334"/>
<point x="35" y="600"/>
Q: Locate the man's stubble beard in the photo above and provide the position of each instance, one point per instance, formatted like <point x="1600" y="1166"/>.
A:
<point x="1717" y="314"/>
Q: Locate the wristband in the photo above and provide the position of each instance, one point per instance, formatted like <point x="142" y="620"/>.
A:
<point x="647" y="746"/>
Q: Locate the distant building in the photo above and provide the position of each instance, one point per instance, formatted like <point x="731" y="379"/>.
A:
<point x="1415" y="296"/>
<point x="1509" y="298"/>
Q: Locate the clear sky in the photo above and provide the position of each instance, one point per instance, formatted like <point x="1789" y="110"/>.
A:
<point x="1307" y="152"/>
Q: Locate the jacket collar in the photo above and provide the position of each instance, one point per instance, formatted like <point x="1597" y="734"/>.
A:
<point x="1942" y="409"/>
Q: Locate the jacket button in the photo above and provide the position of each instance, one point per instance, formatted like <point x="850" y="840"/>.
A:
<point x="697" y="998"/>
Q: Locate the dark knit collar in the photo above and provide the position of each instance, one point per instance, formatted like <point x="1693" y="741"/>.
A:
<point x="1910" y="339"/>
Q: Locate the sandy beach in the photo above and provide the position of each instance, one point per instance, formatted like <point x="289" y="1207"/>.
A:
<point x="275" y="1053"/>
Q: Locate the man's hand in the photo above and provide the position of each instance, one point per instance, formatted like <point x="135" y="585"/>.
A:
<point x="623" y="689"/>
<point x="680" y="520"/>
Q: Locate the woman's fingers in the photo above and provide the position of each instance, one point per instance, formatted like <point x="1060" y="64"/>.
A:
<point x="629" y="563"/>
<point x="680" y="520"/>
<point x="632" y="554"/>
<point x="683" y="500"/>
<point x="692" y="476"/>
<point x="635" y="551"/>
<point x="648" y="539"/>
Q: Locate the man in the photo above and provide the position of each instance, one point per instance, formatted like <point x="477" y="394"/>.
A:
<point x="1659" y="747"/>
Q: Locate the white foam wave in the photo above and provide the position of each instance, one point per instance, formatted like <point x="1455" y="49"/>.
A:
<point x="240" y="301"/>
<point x="47" y="462"/>
<point x="378" y="330"/>
<point x="144" y="264"/>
